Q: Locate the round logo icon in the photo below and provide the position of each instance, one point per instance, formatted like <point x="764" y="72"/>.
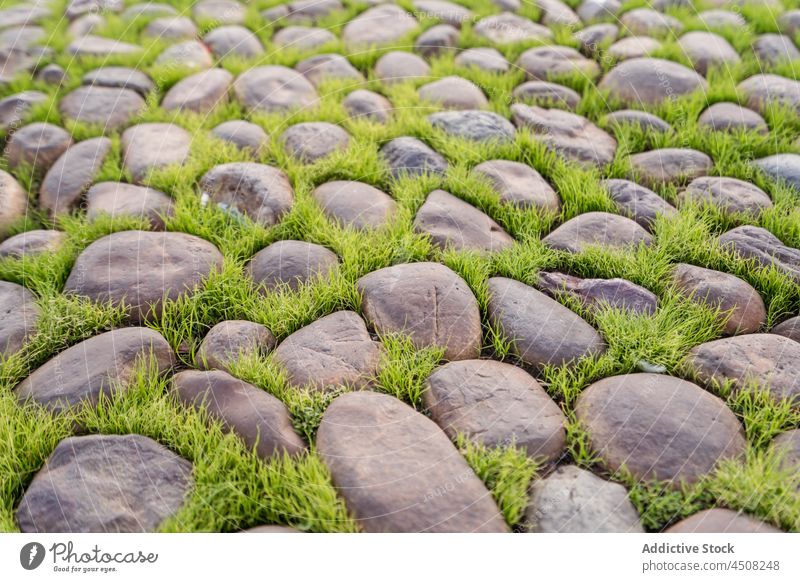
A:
<point x="31" y="555"/>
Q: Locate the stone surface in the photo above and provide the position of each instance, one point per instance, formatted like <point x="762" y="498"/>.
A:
<point x="290" y="263"/>
<point x="71" y="175"/>
<point x="473" y="125"/>
<point x="260" y="192"/>
<point x="426" y="301"/>
<point x="495" y="404"/>
<point x="731" y="195"/>
<point x="170" y="28"/>
<point x="731" y="117"/>
<point x="739" y="303"/>
<point x="787" y="446"/>
<point x="335" y="350"/>
<point x="437" y="40"/>
<point x="508" y="28"/>
<point x="763" y="90"/>
<point x="128" y="483"/>
<point x="597" y="228"/>
<point x="633" y="47"/>
<point x="258" y="418"/>
<point x="355" y="204"/>
<point x="593" y="37"/>
<point x="312" y="141"/>
<point x="658" y="427"/>
<point x="764" y="360"/>
<point x="548" y="62"/>
<point x="707" y="50"/>
<point x="111" y="108"/>
<point x="274" y="89"/>
<point x="31" y="243"/>
<point x="116" y="199"/>
<point x="19" y="317"/>
<point x="153" y="146"/>
<point x="138" y="268"/>
<point x="719" y="520"/>
<point x="37" y="147"/>
<point x="782" y="168"/>
<point x="400" y="66"/>
<point x="670" y="165"/>
<point x="646" y="21"/>
<point x="547" y="95"/>
<point x="647" y="81"/>
<point x="721" y="19"/>
<point x="410" y="156"/>
<point x="320" y="68"/>
<point x="449" y="12"/>
<point x="233" y="40"/>
<point x="119" y="78"/>
<point x="101" y="365"/>
<point x="451" y="222"/>
<point x="363" y="104"/>
<point x="243" y="134"/>
<point x="228" y="340"/>
<point x="573" y="500"/>
<point x="199" y="93"/>
<point x="189" y="55"/>
<point x="645" y="121"/>
<point x="543" y="331"/>
<point x="516" y="183"/>
<point x="13" y="203"/>
<point x="484" y="58"/>
<point x="389" y="461"/>
<point x="753" y="242"/>
<point x="637" y="202"/>
<point x="220" y="11"/>
<point x="774" y="48"/>
<point x="14" y="108"/>
<point x="573" y="137"/>
<point x="594" y="293"/>
<point x="96" y="46"/>
<point x="312" y="10"/>
<point x="378" y="26"/>
<point x="303" y="38"/>
<point x="594" y="10"/>
<point x="454" y="93"/>
<point x="789" y="328"/>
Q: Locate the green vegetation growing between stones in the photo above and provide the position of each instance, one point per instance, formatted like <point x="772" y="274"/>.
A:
<point x="233" y="488"/>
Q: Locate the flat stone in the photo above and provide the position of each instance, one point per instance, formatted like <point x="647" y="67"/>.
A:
<point x="262" y="421"/>
<point x="448" y="12"/>
<point x="23" y="14"/>
<point x="732" y="196"/>
<point x="789" y="328"/>
<point x="31" y="243"/>
<point x="410" y="156"/>
<point x="658" y="427"/>
<point x="774" y="48"/>
<point x="594" y="293"/>
<point x="148" y="10"/>
<point x="290" y="263"/>
<point x="13" y="202"/>
<point x="228" y="340"/>
<point x="739" y="303"/>
<point x="335" y="350"/>
<point x="760" y="245"/>
<point x="721" y="19"/>
<point x="573" y="137"/>
<point x="85" y="24"/>
<point x="548" y="62"/>
<point x="190" y="55"/>
<point x="243" y="134"/>
<point x="111" y="108"/>
<point x="321" y="68"/>
<point x="171" y="28"/>
<point x="731" y="117"/>
<point x="646" y="21"/>
<point x="451" y="222"/>
<point x="437" y="40"/>
<point x="545" y="94"/>
<point x="312" y="10"/>
<point x="233" y="40"/>
<point x="426" y="301"/>
<point x="638" y="203"/>
<point x="378" y="26"/>
<point x="363" y="104"/>
<point x="596" y="10"/>
<point x="473" y="125"/>
<point x="768" y="361"/>
<point x="303" y="38"/>
<point x="787" y="445"/>
<point x="782" y="168"/>
<point x="89" y="45"/>
<point x="507" y="28"/>
<point x="789" y="21"/>
<point x="519" y="184"/>
<point x="14" y="108"/>
<point x="120" y="78"/>
<point x="260" y="192"/>
<point x="484" y="58"/>
<point x="667" y="165"/>
<point x="633" y="47"/>
<point x="720" y="520"/>
<point x="543" y="331"/>
<point x="312" y="141"/>
<point x="52" y="74"/>
<point x="140" y="268"/>
<point x="645" y="121"/>
<point x="128" y="483"/>
<point x="707" y="50"/>
<point x="454" y="93"/>
<point x="117" y="200"/>
<point x="20" y="316"/>
<point x="593" y="37"/>
<point x="390" y="462"/>
<point x="597" y="228"/>
<point x="400" y="66"/>
<point x="495" y="404"/>
<point x="274" y="89"/>
<point x="21" y="37"/>
<point x="355" y="204"/>
<point x="71" y="175"/>
<point x="153" y="146"/>
<point x="15" y="62"/>
<point x="101" y="365"/>
<point x="573" y="500"/>
<point x="220" y="11"/>
<point x="77" y="8"/>
<point x="648" y="81"/>
<point x="36" y="146"/>
<point x="199" y="93"/>
<point x="761" y="91"/>
<point x="555" y="12"/>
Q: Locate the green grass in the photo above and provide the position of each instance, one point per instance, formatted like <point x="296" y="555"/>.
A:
<point x="233" y="488"/>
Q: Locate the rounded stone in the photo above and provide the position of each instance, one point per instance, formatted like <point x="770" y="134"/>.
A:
<point x="171" y="28"/>
<point x="290" y="263"/>
<point x="139" y="269"/>
<point x="400" y="66"/>
<point x="19" y="316"/>
<point x="633" y="47"/>
<point x="670" y="165"/>
<point x="658" y="427"/>
<point x="410" y="156"/>
<point x="454" y="93"/>
<point x="731" y="117"/>
<point x="89" y="45"/>
<point x="32" y="243"/>
<point x="260" y="192"/>
<point x="638" y="203"/>
<point x="437" y="40"/>
<point x="101" y="365"/>
<point x="115" y="199"/>
<point x="452" y="223"/>
<point x="378" y="26"/>
<point x="545" y="94"/>
<point x="774" y="48"/>
<point x="789" y="328"/>
<point x="730" y="195"/>
<point x="128" y="484"/>
<point x="312" y="141"/>
<point x="312" y="10"/>
<point x="596" y="293"/>
<point x="262" y="421"/>
<point x="761" y="360"/>
<point x="721" y="19"/>
<point x="199" y="93"/>
<point x="557" y="13"/>
<point x="228" y="340"/>
<point x="120" y="78"/>
<point x="426" y="301"/>
<point x="597" y="228"/>
<point x="646" y="21"/>
<point x="497" y="405"/>
<point x="243" y="134"/>
<point x="13" y="203"/>
<point x="592" y="38"/>
<point x="542" y="331"/>
<point x="719" y="520"/>
<point x="548" y="62"/>
<point x="274" y="89"/>
<point x="220" y="11"/>
<point x="483" y="58"/>
<point x="355" y="204"/>
<point x="761" y="91"/>
<point x="647" y="81"/>
<point x="233" y="40"/>
<point x="71" y="175"/>
<point x="303" y="38"/>
<point x="321" y="68"/>
<point x="707" y="50"/>
<point x="781" y="168"/>
<point x="363" y="104"/>
<point x="508" y="28"/>
<point x="787" y="447"/>
<point x="389" y="461"/>
<point x="109" y="107"/>
<point x="190" y="55"/>
<point x="517" y="183"/>
<point x="645" y="121"/>
<point x="335" y="350"/>
<point x="14" y="108"/>
<point x="759" y="244"/>
<point x="36" y="146"/>
<point x="153" y="146"/>
<point x="596" y="10"/>
<point x="448" y="12"/>
<point x="473" y="125"/>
